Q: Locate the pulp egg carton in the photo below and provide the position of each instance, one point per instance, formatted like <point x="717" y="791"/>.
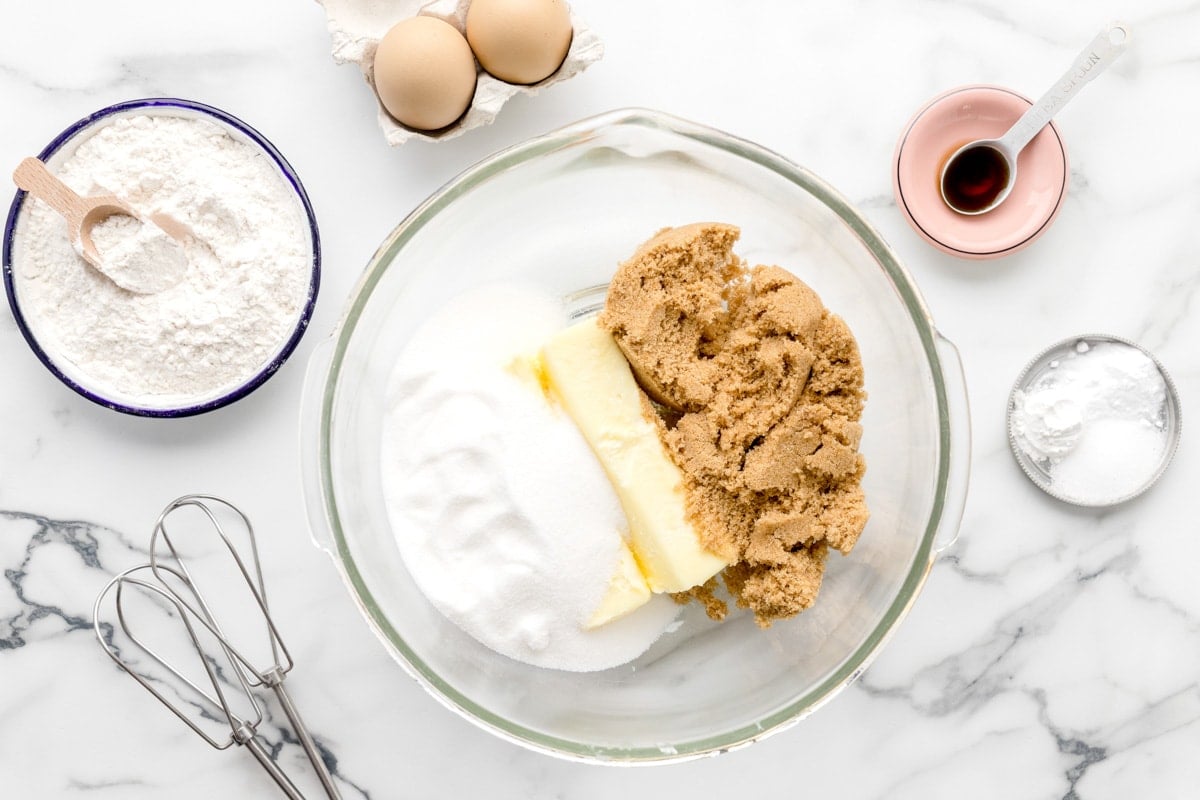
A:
<point x="356" y="27"/>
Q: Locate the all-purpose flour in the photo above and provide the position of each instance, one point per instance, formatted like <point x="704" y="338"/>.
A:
<point x="248" y="272"/>
<point x="137" y="254"/>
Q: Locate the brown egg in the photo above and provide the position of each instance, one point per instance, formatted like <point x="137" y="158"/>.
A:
<point x="424" y="73"/>
<point x="519" y="41"/>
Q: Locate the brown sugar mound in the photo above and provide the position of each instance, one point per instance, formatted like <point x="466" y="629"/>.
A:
<point x="667" y="314"/>
<point x="761" y="390"/>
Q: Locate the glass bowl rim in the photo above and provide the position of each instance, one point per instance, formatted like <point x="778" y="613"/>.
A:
<point x="261" y="375"/>
<point x="381" y="260"/>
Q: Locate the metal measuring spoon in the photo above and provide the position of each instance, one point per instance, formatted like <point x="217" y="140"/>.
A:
<point x="980" y="174"/>
<point x="85" y="213"/>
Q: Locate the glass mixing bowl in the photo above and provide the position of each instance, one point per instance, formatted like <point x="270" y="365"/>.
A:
<point x="560" y="211"/>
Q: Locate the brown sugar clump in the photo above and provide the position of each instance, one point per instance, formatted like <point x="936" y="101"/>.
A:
<point x="706" y="595"/>
<point x="668" y="314"/>
<point x="762" y="389"/>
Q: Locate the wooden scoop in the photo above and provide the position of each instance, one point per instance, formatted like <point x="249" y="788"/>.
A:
<point x="84" y="213"/>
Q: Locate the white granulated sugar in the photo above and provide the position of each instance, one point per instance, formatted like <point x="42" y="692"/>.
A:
<point x="249" y="265"/>
<point x="502" y="514"/>
<point x="1095" y="421"/>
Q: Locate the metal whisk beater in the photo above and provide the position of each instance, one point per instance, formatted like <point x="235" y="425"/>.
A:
<point x="168" y="580"/>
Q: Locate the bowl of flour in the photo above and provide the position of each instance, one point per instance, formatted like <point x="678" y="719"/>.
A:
<point x="251" y="248"/>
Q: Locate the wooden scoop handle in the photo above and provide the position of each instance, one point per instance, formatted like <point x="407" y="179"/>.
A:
<point x="83" y="213"/>
<point x="32" y="176"/>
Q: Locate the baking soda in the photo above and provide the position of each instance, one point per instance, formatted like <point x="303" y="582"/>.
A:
<point x="1094" y="421"/>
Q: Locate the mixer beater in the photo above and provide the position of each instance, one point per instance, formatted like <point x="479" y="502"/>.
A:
<point x="168" y="582"/>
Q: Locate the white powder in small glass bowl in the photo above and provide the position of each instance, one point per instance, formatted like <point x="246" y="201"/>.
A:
<point x="1093" y="421"/>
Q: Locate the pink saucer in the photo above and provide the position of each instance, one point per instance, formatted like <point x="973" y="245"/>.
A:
<point x="946" y="123"/>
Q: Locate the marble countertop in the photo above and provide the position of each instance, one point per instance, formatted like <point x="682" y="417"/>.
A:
<point x="1054" y="650"/>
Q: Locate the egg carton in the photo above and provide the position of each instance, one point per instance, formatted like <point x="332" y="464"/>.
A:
<point x="356" y="26"/>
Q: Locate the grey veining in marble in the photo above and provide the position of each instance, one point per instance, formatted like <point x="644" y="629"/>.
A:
<point x="84" y="557"/>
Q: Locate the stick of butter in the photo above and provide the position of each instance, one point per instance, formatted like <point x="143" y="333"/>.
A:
<point x="627" y="590"/>
<point x="591" y="378"/>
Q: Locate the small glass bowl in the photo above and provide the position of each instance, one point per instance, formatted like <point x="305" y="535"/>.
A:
<point x="61" y="148"/>
<point x="1038" y="471"/>
<point x="559" y="212"/>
